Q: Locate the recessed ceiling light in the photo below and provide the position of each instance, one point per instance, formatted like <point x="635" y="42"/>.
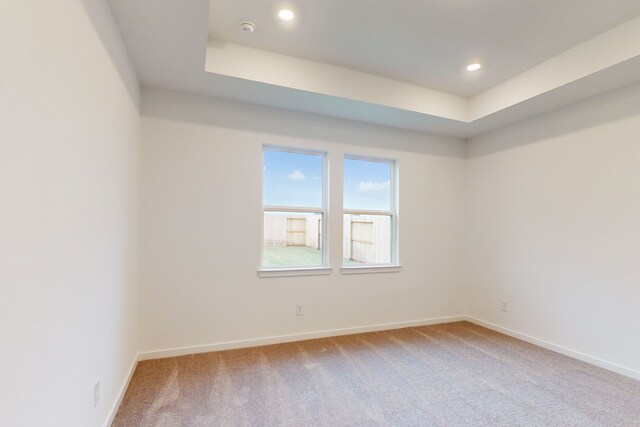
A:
<point x="286" y="15"/>
<point x="474" y="67"/>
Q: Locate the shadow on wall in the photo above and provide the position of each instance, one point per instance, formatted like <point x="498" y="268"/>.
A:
<point x="249" y="117"/>
<point x="105" y="26"/>
<point x="614" y="106"/>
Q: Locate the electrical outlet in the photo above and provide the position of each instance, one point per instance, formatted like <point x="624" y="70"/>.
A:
<point x="504" y="306"/>
<point x="96" y="393"/>
<point x="299" y="311"/>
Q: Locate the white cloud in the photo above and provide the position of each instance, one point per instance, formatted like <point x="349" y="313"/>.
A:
<point x="295" y="175"/>
<point x="374" y="186"/>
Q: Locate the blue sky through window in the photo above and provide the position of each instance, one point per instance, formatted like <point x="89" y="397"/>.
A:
<point x="292" y="179"/>
<point x="367" y="185"/>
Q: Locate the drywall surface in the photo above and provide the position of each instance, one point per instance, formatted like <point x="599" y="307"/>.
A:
<point x="202" y="210"/>
<point x="68" y="213"/>
<point x="554" y="231"/>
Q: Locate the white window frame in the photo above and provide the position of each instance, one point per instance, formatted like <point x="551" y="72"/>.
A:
<point x="393" y="213"/>
<point x="322" y="210"/>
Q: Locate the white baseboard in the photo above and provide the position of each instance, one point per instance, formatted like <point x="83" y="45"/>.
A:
<point x="279" y="339"/>
<point x="623" y="370"/>
<point x="123" y="390"/>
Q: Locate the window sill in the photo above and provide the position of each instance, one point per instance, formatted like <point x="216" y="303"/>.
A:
<point x="286" y="272"/>
<point x="371" y="269"/>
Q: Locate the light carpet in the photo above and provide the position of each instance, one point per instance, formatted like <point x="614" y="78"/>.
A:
<point x="455" y="374"/>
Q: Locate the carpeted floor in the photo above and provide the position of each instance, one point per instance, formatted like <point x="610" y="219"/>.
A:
<point x="455" y="374"/>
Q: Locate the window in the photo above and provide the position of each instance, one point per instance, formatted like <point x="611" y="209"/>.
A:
<point x="294" y="210"/>
<point x="370" y="222"/>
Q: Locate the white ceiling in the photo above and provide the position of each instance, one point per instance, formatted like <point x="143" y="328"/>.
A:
<point x="170" y="47"/>
<point x="424" y="42"/>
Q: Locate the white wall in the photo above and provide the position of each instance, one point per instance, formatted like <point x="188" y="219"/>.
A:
<point x="68" y="202"/>
<point x="202" y="166"/>
<point x="554" y="227"/>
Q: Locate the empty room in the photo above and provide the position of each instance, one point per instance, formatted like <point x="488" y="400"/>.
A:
<point x="319" y="213"/>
